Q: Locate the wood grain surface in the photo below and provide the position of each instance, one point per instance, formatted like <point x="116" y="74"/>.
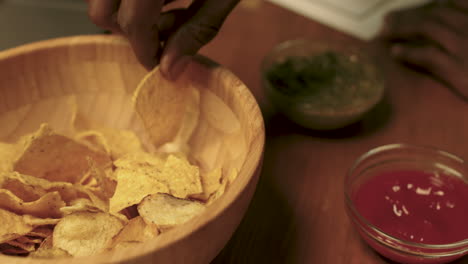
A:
<point x="297" y="214"/>
<point x="58" y="81"/>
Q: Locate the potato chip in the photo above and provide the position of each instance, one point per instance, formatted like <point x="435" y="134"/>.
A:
<point x="182" y="178"/>
<point x="136" y="230"/>
<point x="47" y="250"/>
<point x="217" y="113"/>
<point x="8" y="153"/>
<point x="84" y="234"/>
<point x="166" y="211"/>
<point x="160" y="104"/>
<point x="133" y="185"/>
<point x="13" y="226"/>
<point x="47" y="206"/>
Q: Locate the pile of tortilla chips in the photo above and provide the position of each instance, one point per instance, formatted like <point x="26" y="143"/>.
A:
<point x="98" y="190"/>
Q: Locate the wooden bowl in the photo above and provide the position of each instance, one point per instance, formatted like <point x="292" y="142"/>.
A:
<point x="101" y="72"/>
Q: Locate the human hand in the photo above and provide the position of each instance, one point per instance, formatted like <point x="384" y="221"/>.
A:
<point x="432" y="38"/>
<point x="169" y="38"/>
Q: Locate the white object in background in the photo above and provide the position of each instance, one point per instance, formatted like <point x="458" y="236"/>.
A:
<point x="360" y="18"/>
<point x="24" y="21"/>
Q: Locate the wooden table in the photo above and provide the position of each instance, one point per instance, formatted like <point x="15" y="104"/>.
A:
<point x="297" y="214"/>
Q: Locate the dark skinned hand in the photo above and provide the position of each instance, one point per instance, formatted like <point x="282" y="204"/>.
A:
<point x="432" y="38"/>
<point x="166" y="38"/>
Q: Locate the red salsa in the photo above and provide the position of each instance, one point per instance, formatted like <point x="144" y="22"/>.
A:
<point x="417" y="206"/>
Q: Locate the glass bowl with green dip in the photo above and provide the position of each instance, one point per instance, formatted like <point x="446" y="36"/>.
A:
<point x="321" y="86"/>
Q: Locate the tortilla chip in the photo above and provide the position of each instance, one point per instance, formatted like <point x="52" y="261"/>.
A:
<point x="29" y="247"/>
<point x="85" y="234"/>
<point x="188" y="126"/>
<point x="80" y="205"/>
<point x="160" y="104"/>
<point x="133" y="185"/>
<point x="182" y="178"/>
<point x="34" y="221"/>
<point x="13" y="226"/>
<point x="47" y="206"/>
<point x="141" y="159"/>
<point x="56" y="158"/>
<point x="211" y="182"/>
<point x="41" y="231"/>
<point x="8" y="153"/>
<point x="220" y="191"/>
<point x="29" y="188"/>
<point x="21" y="187"/>
<point x="28" y="239"/>
<point x="166" y="211"/>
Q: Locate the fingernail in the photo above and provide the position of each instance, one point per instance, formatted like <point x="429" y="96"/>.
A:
<point x="396" y="50"/>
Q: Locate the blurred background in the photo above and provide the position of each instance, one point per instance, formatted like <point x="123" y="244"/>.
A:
<point x="24" y="21"/>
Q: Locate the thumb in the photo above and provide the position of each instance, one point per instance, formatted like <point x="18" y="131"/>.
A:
<point x="200" y="29"/>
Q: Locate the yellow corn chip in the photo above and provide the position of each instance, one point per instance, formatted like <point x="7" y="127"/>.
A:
<point x="133" y="185"/>
<point x="160" y="104"/>
<point x="141" y="159"/>
<point x="41" y="231"/>
<point x="47" y="206"/>
<point x="85" y="234"/>
<point x="29" y="247"/>
<point x="211" y="182"/>
<point x="8" y="153"/>
<point x="12" y="226"/>
<point x="56" y="158"/>
<point x="34" y="221"/>
<point x="182" y="178"/>
<point x="80" y="205"/>
<point x="189" y="123"/>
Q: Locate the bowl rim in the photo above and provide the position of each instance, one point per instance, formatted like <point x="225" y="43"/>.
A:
<point x="239" y="187"/>
<point x="457" y="247"/>
<point x="346" y="111"/>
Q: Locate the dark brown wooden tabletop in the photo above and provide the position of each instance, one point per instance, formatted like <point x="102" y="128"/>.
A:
<point x="297" y="214"/>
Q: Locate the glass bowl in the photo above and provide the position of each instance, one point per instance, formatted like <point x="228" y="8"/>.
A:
<point x="321" y="86"/>
<point x="397" y="157"/>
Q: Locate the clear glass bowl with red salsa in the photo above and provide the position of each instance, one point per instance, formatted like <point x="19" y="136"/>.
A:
<point x="321" y="85"/>
<point x="410" y="203"/>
